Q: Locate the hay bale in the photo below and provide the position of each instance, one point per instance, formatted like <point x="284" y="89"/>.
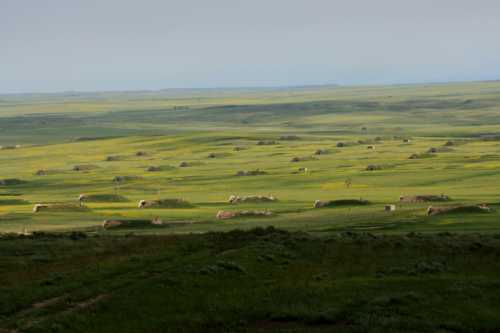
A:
<point x="234" y="199"/>
<point x="112" y="158"/>
<point x="420" y="156"/>
<point x="266" y="142"/>
<point x="406" y="140"/>
<point x="303" y="169"/>
<point x="321" y="204"/>
<point x="212" y="155"/>
<point x="341" y="202"/>
<point x="390" y="208"/>
<point x="340" y="144"/>
<point x="460" y="209"/>
<point x="111" y="224"/>
<point x="302" y="159"/>
<point x="378" y="138"/>
<point x="59" y="207"/>
<point x="256" y="172"/>
<point x="432" y="150"/>
<point x="370" y="147"/>
<point x="39" y="207"/>
<point x="165" y="203"/>
<point x="121" y="179"/>
<point x="255" y="213"/>
<point x="101" y="198"/>
<point x="373" y="167"/>
<point x="239" y="148"/>
<point x="114" y="223"/>
<point x="414" y="156"/>
<point x="84" y="167"/>
<point x="183" y="164"/>
<point x="449" y="144"/>
<point x="140" y="153"/>
<point x="223" y="215"/>
<point x="444" y="149"/>
<point x="423" y="198"/>
<point x="153" y="169"/>
<point x="364" y="128"/>
<point x="40" y="172"/>
<point x="321" y="152"/>
<point x="289" y="137"/>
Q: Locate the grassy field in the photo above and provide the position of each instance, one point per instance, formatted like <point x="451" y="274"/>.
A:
<point x="345" y="268"/>
<point x="58" y="133"/>
<point x="256" y="281"/>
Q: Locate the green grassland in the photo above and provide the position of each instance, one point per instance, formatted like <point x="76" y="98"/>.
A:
<point x="344" y="268"/>
<point x="216" y="122"/>
<point x="262" y="280"/>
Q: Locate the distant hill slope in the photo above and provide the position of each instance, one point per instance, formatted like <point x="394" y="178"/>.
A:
<point x="446" y="109"/>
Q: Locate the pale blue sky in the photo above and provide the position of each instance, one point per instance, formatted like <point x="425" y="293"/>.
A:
<point x="88" y="45"/>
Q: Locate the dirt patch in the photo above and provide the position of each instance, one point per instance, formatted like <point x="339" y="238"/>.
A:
<point x="48" y="302"/>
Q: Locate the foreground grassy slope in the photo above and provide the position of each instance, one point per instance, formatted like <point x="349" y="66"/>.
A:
<point x="256" y="281"/>
<point x="468" y="115"/>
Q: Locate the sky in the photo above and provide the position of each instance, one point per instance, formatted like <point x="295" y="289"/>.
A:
<point x="94" y="45"/>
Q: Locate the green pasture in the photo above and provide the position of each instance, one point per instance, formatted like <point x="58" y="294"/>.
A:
<point x="58" y="132"/>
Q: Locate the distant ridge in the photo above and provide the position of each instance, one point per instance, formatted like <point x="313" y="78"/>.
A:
<point x="71" y="93"/>
<point x="170" y="92"/>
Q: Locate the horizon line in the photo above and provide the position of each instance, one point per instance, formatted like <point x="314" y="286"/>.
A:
<point x="262" y="87"/>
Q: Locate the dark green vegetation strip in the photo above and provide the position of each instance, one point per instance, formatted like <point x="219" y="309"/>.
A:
<point x="263" y="280"/>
